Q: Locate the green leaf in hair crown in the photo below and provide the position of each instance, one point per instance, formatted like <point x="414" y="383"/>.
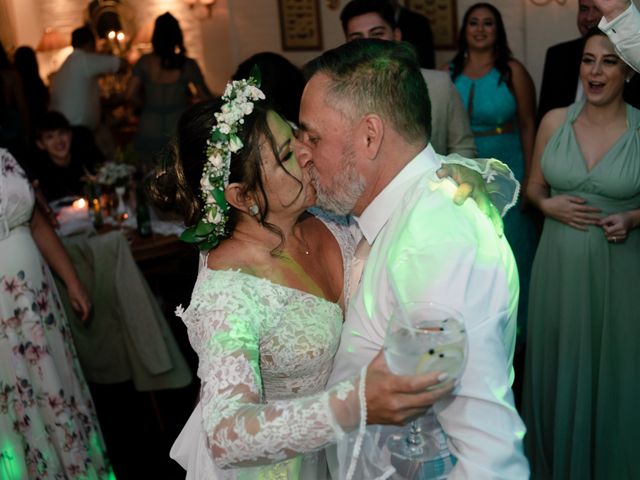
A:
<point x="239" y="98"/>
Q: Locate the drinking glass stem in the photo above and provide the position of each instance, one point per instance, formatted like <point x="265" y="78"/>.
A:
<point x="414" y="434"/>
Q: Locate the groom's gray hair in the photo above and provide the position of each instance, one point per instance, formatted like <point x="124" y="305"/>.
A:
<point x="380" y="77"/>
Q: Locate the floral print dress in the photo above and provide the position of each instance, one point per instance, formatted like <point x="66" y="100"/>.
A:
<point x="48" y="424"/>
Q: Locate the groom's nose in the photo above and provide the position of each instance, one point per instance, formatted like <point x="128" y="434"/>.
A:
<point x="303" y="154"/>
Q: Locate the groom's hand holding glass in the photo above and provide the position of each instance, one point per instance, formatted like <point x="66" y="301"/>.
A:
<point x="396" y="399"/>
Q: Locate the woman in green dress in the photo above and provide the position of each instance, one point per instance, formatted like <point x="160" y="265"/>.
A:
<point x="582" y="379"/>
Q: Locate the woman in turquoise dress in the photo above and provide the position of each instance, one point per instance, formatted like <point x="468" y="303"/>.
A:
<point x="582" y="380"/>
<point x="500" y="99"/>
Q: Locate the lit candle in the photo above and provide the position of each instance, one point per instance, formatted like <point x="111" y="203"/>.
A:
<point x="79" y="204"/>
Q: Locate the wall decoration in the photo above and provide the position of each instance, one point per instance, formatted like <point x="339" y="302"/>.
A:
<point x="300" y="25"/>
<point x="443" y="17"/>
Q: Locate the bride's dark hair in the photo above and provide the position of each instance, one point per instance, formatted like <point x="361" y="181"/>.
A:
<point x="176" y="183"/>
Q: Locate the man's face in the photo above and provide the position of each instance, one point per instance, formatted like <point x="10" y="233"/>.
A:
<point x="370" y="25"/>
<point x="57" y="144"/>
<point x="588" y="16"/>
<point x="328" y="150"/>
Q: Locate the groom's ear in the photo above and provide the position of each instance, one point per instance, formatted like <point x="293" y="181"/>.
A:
<point x="372" y="134"/>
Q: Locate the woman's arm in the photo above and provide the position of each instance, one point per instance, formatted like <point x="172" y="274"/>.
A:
<point x="525" y="93"/>
<point x="537" y="189"/>
<point x="56" y="257"/>
<point x="567" y="209"/>
<point x="197" y="80"/>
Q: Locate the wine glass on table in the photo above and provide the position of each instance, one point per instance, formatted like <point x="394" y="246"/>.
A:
<point x="423" y="337"/>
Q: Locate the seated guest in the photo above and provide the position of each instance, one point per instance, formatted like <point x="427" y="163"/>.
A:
<point x="65" y="154"/>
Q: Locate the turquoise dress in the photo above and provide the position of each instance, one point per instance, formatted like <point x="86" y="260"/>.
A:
<point x="582" y="371"/>
<point x="492" y="112"/>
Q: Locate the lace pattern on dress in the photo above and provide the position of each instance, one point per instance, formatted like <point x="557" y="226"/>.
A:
<point x="339" y="226"/>
<point x="252" y="337"/>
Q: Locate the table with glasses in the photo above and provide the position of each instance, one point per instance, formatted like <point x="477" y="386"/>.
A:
<point x="127" y="336"/>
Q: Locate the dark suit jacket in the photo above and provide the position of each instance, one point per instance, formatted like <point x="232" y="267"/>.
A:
<point x="560" y="78"/>
<point x="416" y="30"/>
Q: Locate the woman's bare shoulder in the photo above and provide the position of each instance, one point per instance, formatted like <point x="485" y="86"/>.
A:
<point x="554" y="118"/>
<point x="233" y="255"/>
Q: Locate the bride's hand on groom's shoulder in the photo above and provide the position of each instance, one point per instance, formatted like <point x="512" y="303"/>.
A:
<point x="471" y="184"/>
<point x="396" y="399"/>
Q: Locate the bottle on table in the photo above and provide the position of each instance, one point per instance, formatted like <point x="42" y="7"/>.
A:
<point x="95" y="209"/>
<point x="143" y="216"/>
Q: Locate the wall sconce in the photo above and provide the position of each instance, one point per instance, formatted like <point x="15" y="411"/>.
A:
<point x="51" y="39"/>
<point x="208" y="4"/>
<point x="542" y="3"/>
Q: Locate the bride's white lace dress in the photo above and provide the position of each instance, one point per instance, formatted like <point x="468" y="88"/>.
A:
<point x="265" y="354"/>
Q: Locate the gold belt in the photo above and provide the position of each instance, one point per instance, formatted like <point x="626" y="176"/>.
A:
<point x="508" y="127"/>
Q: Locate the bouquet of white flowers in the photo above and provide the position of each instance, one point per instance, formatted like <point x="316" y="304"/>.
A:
<point x="111" y="173"/>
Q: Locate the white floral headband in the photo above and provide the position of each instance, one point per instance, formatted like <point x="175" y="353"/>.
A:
<point x="239" y="97"/>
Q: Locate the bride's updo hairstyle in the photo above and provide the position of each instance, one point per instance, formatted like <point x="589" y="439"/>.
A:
<point x="176" y="184"/>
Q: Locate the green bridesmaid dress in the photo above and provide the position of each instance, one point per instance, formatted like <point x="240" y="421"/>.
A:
<point x="582" y="374"/>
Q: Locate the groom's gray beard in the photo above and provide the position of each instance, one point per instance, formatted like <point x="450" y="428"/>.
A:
<point x="345" y="189"/>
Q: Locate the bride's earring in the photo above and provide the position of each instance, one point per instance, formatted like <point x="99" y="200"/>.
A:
<point x="253" y="210"/>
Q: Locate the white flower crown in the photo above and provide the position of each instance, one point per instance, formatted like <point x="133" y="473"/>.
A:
<point x="239" y="96"/>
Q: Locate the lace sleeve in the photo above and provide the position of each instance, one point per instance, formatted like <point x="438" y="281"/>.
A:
<point x="502" y="186"/>
<point x="224" y="328"/>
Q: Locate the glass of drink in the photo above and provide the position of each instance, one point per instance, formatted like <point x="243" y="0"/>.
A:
<point x="423" y="337"/>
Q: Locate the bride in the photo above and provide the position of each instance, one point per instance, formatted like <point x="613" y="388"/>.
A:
<point x="266" y="310"/>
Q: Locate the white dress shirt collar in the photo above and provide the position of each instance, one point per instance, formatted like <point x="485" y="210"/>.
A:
<point x="378" y="212"/>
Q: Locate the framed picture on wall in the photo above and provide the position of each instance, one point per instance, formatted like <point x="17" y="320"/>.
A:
<point x="443" y="17"/>
<point x="300" y="24"/>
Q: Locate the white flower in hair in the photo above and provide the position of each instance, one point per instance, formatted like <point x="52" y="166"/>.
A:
<point x="239" y="97"/>
<point x="215" y="160"/>
<point x="235" y="144"/>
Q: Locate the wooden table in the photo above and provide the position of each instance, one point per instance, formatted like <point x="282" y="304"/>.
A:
<point x="153" y="247"/>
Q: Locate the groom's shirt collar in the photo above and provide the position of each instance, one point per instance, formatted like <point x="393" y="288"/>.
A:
<point x="378" y="212"/>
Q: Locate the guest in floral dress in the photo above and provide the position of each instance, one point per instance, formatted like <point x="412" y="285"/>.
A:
<point x="48" y="424"/>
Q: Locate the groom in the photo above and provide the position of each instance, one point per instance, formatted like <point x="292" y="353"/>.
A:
<point x="365" y="127"/>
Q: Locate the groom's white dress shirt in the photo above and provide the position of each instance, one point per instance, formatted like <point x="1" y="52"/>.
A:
<point x="426" y="247"/>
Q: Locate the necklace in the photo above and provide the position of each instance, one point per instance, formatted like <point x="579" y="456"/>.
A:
<point x="305" y="248"/>
<point x="304" y="241"/>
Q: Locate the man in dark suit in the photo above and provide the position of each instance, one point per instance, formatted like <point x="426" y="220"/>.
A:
<point x="561" y="76"/>
<point x="416" y="30"/>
